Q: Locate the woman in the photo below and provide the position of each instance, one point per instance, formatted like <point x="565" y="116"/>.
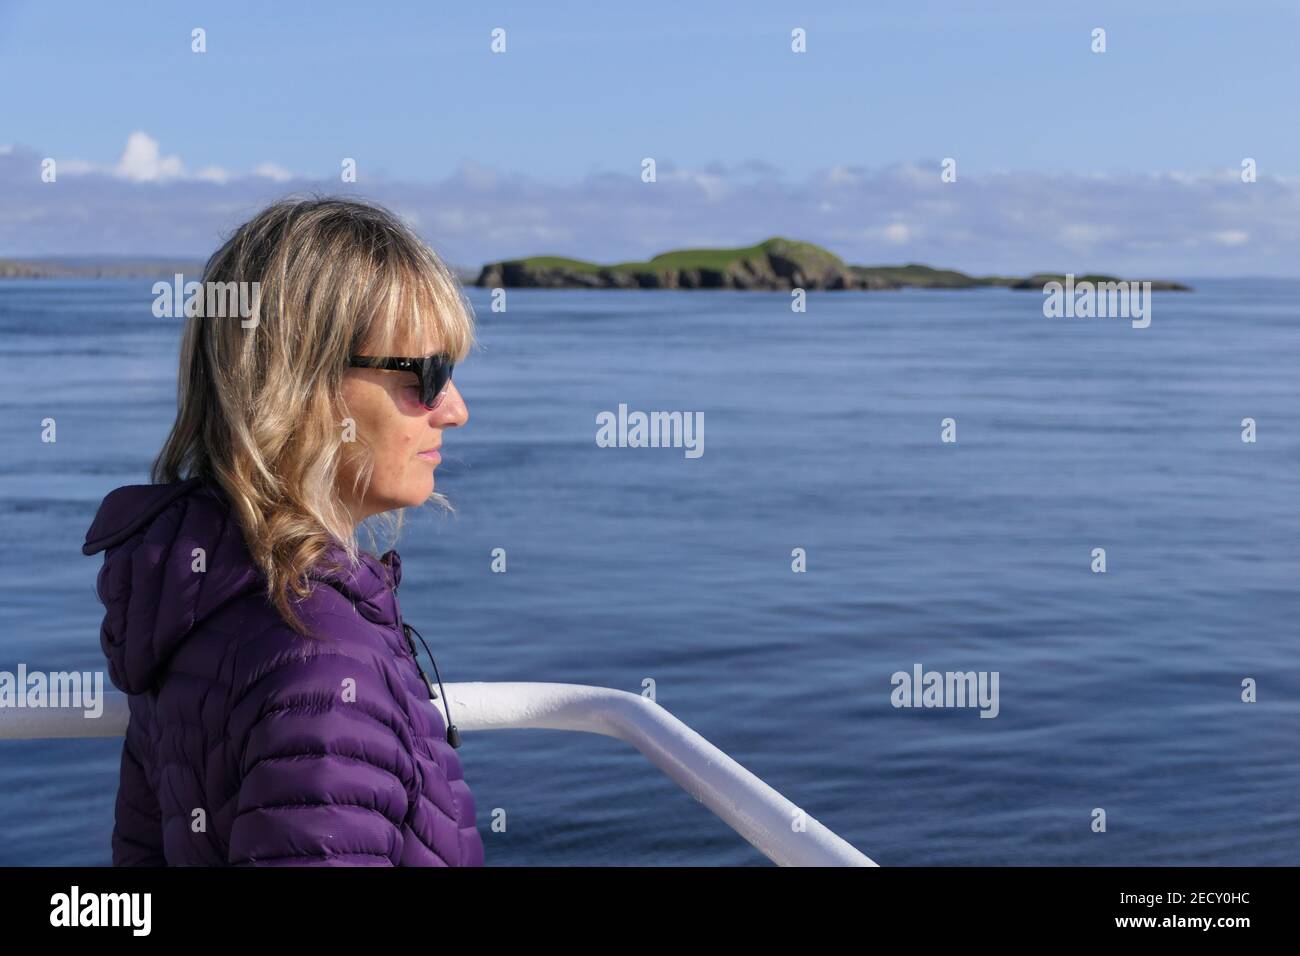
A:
<point x="278" y="713"/>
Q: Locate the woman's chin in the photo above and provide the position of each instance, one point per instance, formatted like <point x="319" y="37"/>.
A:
<point x="421" y="490"/>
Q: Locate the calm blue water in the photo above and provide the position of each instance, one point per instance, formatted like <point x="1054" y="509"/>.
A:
<point x="1119" y="691"/>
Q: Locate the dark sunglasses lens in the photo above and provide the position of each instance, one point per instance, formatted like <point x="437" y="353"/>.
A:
<point x="434" y="381"/>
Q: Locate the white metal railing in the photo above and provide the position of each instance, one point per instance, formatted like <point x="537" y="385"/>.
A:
<point x="748" y="805"/>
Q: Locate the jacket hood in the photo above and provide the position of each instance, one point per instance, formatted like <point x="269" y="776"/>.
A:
<point x="175" y="554"/>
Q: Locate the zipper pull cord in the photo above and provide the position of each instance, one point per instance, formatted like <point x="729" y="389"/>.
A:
<point x="453" y="733"/>
<point x="415" y="659"/>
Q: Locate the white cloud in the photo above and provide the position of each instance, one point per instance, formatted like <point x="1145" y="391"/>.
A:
<point x="272" y="171"/>
<point x="142" y="161"/>
<point x="1155" y="225"/>
<point x="1231" y="237"/>
<point x="897" y="232"/>
<point x="213" y="174"/>
<point x="713" y="185"/>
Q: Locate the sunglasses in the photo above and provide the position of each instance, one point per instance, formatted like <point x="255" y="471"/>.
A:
<point x="433" y="371"/>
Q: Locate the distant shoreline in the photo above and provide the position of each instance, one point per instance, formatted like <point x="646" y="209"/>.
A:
<point x="125" y="267"/>
<point x="774" y="265"/>
<point x="91" y="268"/>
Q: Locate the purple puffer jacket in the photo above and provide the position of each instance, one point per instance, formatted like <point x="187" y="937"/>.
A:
<point x="249" y="744"/>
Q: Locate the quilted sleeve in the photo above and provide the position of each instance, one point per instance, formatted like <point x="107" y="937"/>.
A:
<point x="326" y="771"/>
<point x="137" y="829"/>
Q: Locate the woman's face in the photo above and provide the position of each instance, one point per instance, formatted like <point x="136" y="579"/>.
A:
<point x="404" y="437"/>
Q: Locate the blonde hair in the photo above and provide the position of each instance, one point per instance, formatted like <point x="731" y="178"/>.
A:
<point x="260" y="408"/>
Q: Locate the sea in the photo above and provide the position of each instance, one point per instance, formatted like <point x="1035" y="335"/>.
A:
<point x="887" y="481"/>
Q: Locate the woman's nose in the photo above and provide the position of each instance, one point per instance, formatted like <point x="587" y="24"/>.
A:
<point x="451" y="411"/>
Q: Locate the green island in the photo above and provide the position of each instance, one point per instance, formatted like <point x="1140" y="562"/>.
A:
<point x="775" y="264"/>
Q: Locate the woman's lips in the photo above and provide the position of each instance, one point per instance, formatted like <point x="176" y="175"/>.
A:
<point x="431" y="455"/>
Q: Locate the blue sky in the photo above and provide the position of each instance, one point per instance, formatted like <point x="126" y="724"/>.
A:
<point x="538" y="149"/>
